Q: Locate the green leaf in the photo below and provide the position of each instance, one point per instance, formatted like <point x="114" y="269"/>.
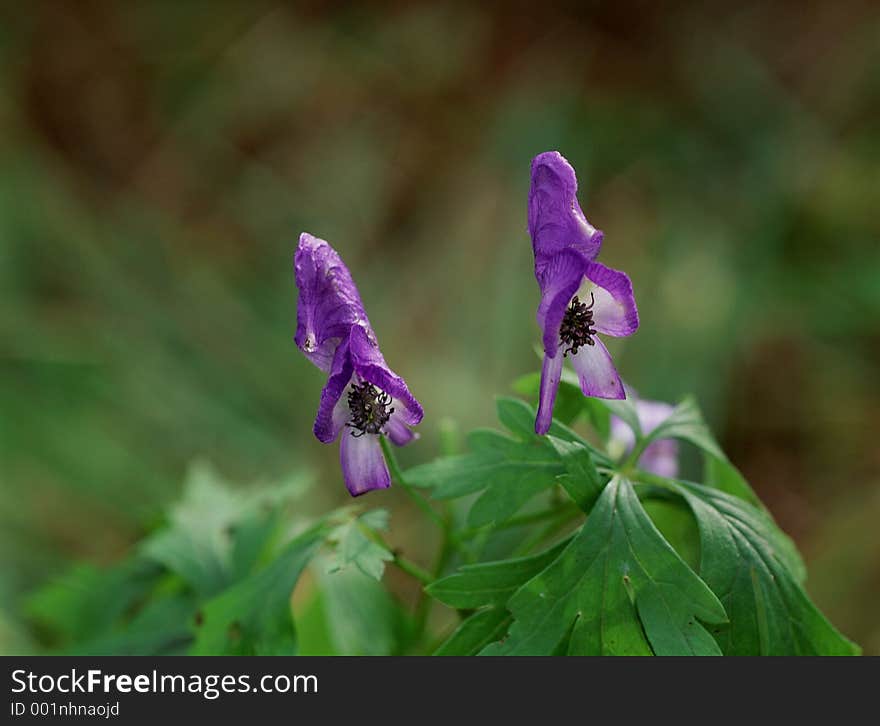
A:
<point x="618" y="588"/>
<point x="490" y="583"/>
<point x="686" y="423"/>
<point x="476" y="632"/>
<point x="163" y="626"/>
<point x="509" y="473"/>
<point x="253" y="617"/>
<point x="676" y="523"/>
<point x="722" y="474"/>
<point x="516" y="416"/>
<point x="570" y="401"/>
<point x="362" y="617"/>
<point x="625" y="410"/>
<point x="581" y="482"/>
<point x="770" y="614"/>
<point x="519" y="418"/>
<point x="88" y="602"/>
<point x="355" y="547"/>
<point x="216" y="533"/>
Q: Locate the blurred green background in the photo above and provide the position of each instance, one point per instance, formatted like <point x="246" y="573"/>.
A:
<point x="158" y="160"/>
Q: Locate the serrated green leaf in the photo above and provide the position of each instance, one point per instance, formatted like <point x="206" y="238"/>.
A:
<point x="253" y="617"/>
<point x="686" y="423"/>
<point x="355" y="547"/>
<point x="476" y="632"/>
<point x="570" y="401"/>
<point x="509" y="473"/>
<point x="516" y="416"/>
<point x="490" y="583"/>
<point x="722" y="474"/>
<point x="216" y="533"/>
<point x="581" y="482"/>
<point x="770" y="614"/>
<point x="616" y="569"/>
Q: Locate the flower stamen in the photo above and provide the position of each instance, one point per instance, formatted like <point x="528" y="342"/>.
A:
<point x="369" y="408"/>
<point x="577" y="326"/>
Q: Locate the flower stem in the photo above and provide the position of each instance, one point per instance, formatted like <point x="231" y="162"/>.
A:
<point x="415" y="496"/>
<point x="412" y="569"/>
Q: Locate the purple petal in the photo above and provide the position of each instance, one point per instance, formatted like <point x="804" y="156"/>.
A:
<point x="396" y="430"/>
<point x="559" y="281"/>
<point x="333" y="409"/>
<point x="371" y="366"/>
<point x="661" y="458"/>
<point x="555" y="217"/>
<point x="614" y="306"/>
<point x="596" y="371"/>
<point x="652" y="413"/>
<point x="363" y="464"/>
<point x="329" y="302"/>
<point x="551" y="372"/>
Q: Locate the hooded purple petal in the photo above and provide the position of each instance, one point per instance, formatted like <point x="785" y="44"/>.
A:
<point x="614" y="307"/>
<point x="363" y="464"/>
<point x="329" y="302"/>
<point x="371" y="366"/>
<point x="560" y="279"/>
<point x="555" y="217"/>
<point x="333" y="409"/>
<point x="596" y="372"/>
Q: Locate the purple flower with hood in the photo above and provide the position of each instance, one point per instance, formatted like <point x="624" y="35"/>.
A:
<point x="659" y="457"/>
<point x="579" y="296"/>
<point x="363" y="398"/>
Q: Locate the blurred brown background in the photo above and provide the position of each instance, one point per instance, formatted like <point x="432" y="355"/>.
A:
<point x="158" y="160"/>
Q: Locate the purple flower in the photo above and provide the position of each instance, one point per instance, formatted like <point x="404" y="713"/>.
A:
<point x="661" y="456"/>
<point x="579" y="297"/>
<point x="329" y="302"/>
<point x="363" y="398"/>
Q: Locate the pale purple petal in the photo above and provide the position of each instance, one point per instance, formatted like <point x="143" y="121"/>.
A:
<point x="652" y="413"/>
<point x="551" y="372"/>
<point x="333" y="408"/>
<point x="396" y="428"/>
<point x="329" y="302"/>
<point x="559" y="281"/>
<point x="620" y="437"/>
<point x="371" y="366"/>
<point x="661" y="458"/>
<point x="363" y="464"/>
<point x="614" y="306"/>
<point x="596" y="371"/>
<point x="555" y="217"/>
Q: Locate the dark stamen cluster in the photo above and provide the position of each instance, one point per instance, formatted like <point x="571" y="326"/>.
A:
<point x="577" y="326"/>
<point x="369" y="409"/>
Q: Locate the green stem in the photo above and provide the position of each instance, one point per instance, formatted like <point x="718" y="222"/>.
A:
<point x="413" y="570"/>
<point x="415" y="496"/>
